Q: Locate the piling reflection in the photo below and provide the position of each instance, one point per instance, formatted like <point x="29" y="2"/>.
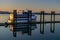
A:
<point x="22" y="28"/>
<point x="42" y="28"/>
<point x="52" y="28"/>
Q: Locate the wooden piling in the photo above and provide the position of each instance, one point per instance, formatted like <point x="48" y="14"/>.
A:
<point x="51" y="16"/>
<point x="54" y="15"/>
<point x="43" y="17"/>
<point x="52" y="26"/>
<point x="51" y="22"/>
<point x="29" y="16"/>
<point x="54" y="21"/>
<point x="42" y="27"/>
<point x="40" y="18"/>
<point x="29" y="21"/>
<point x="15" y="14"/>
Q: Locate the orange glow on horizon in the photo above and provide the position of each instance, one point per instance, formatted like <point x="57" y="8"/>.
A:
<point x="33" y="9"/>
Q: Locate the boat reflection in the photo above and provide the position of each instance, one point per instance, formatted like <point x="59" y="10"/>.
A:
<point x="22" y="28"/>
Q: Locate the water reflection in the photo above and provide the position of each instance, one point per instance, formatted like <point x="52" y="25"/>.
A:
<point x="22" y="28"/>
<point x="52" y="28"/>
<point x="42" y="28"/>
<point x="27" y="28"/>
<point x="25" y="31"/>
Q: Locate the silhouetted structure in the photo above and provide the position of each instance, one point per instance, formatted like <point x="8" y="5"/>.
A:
<point x="29" y="16"/>
<point x="42" y="27"/>
<point x="52" y="26"/>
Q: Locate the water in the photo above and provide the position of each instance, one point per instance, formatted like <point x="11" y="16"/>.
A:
<point x="4" y="18"/>
<point x="29" y="32"/>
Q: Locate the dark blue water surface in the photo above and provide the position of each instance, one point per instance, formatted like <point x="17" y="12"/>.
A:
<point x="35" y="34"/>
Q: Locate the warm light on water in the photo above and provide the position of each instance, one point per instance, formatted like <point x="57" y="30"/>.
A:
<point x="11" y="27"/>
<point x="9" y="21"/>
<point x="11" y="18"/>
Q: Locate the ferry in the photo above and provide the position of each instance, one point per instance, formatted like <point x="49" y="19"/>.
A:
<point x="21" y="20"/>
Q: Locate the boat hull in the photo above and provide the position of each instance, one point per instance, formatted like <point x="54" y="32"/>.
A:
<point x="25" y="19"/>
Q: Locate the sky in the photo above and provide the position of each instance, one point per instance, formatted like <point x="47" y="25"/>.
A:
<point x="35" y="5"/>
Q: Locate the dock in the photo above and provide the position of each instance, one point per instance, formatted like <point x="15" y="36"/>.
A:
<point x="42" y="16"/>
<point x="3" y="24"/>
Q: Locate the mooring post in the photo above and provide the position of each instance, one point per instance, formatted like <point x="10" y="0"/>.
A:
<point x="43" y="17"/>
<point x="40" y="18"/>
<point x="52" y="27"/>
<point x="51" y="17"/>
<point x="54" y="21"/>
<point x="51" y="22"/>
<point x="29" y="21"/>
<point x="54" y="16"/>
<point x="15" y="14"/>
<point x="29" y="16"/>
<point x="42" y="27"/>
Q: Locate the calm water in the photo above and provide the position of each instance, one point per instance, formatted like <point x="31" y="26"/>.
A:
<point x="29" y="32"/>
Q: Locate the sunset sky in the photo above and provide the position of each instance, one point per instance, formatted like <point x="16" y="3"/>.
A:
<point x="35" y="5"/>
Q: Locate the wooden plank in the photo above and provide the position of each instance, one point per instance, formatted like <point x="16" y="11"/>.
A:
<point x="20" y="17"/>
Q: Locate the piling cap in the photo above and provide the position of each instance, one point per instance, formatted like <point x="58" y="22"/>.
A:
<point x="42" y="12"/>
<point x="52" y="12"/>
<point x="14" y="11"/>
<point x="29" y="11"/>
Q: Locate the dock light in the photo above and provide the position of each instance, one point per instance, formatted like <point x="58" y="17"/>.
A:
<point x="11" y="16"/>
